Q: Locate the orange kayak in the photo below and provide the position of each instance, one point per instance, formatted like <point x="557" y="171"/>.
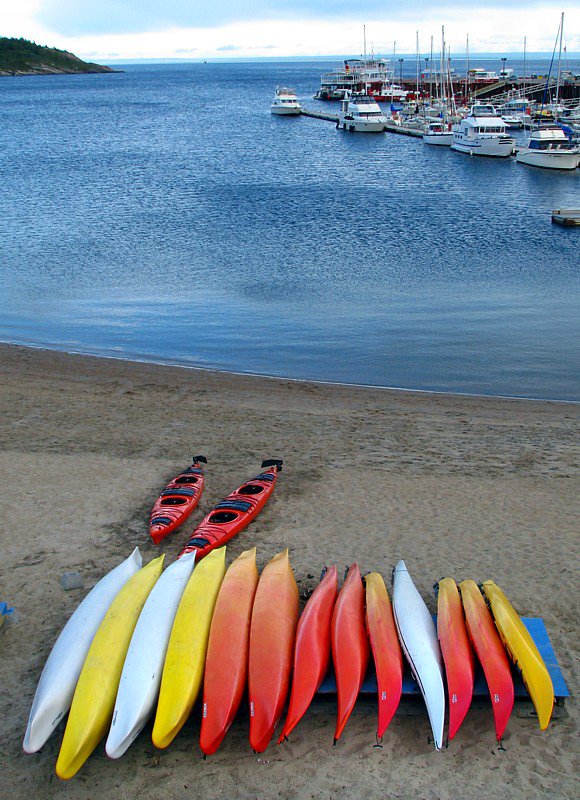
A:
<point x="385" y="647"/>
<point x="312" y="650"/>
<point x="272" y="632"/>
<point x="350" y="645"/>
<point x="226" y="666"/>
<point x="490" y="652"/>
<point x="176" y="502"/>
<point x="456" y="650"/>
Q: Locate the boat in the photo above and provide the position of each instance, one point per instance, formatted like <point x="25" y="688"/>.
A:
<point x="350" y="645"/>
<point x="57" y="684"/>
<point x="94" y="698"/>
<point x="418" y="639"/>
<point x="141" y="675"/>
<point x="522" y="651"/>
<point x="438" y="133"/>
<point x="285" y="102"/>
<point x="360" y="113"/>
<point x="482" y="136"/>
<point x="385" y="648"/>
<point x="272" y="632"/>
<point x="373" y="75"/>
<point x="234" y="513"/>
<point x="185" y="659"/>
<point x="312" y="649"/>
<point x="456" y="650"/>
<point x="490" y="652"/>
<point x="226" y="664"/>
<point x="176" y="502"/>
<point x="550" y="148"/>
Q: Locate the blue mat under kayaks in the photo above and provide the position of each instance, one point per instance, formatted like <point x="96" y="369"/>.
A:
<point x="538" y="633"/>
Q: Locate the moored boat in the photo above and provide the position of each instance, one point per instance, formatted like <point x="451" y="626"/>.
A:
<point x="438" y="133"/>
<point x="285" y="102"/>
<point x="482" y="136"/>
<point x="550" y="148"/>
<point x="360" y="113"/>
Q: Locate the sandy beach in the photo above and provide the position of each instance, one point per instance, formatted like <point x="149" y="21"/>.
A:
<point x="465" y="487"/>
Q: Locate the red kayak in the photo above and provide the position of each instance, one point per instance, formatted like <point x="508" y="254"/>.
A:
<point x="456" y="650"/>
<point x="235" y="512"/>
<point x="272" y="631"/>
<point x="350" y="645"/>
<point x="386" y="648"/>
<point x="491" y="653"/>
<point x="177" y="500"/>
<point x="312" y="649"/>
<point x="226" y="664"/>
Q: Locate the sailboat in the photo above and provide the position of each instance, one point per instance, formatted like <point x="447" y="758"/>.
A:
<point x="548" y="146"/>
<point x="438" y="131"/>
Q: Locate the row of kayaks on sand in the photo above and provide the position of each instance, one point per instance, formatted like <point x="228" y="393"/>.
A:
<point x="144" y="642"/>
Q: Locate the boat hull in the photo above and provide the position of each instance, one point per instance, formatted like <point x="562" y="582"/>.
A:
<point x="60" y="675"/>
<point x="234" y="513"/>
<point x="312" y="649"/>
<point x="440" y="139"/>
<point x="272" y="634"/>
<point x="457" y="652"/>
<point x="185" y="660"/>
<point x="418" y="639"/>
<point x="385" y="647"/>
<point x="490" y="652"/>
<point x="141" y="675"/>
<point x="286" y="112"/>
<point x="491" y="148"/>
<point x="523" y="652"/>
<point x="535" y="158"/>
<point x="94" y="699"/>
<point x="177" y="501"/>
<point x="226" y="666"/>
<point x="350" y="646"/>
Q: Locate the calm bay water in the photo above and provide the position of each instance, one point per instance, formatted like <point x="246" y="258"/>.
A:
<point x="164" y="214"/>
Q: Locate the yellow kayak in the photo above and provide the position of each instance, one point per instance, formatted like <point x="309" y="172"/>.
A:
<point x="185" y="659"/>
<point x="523" y="652"/>
<point x="94" y="698"/>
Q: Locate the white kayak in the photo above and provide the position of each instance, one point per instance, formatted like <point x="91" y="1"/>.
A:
<point x="143" y="667"/>
<point x="60" y="675"/>
<point x="418" y="637"/>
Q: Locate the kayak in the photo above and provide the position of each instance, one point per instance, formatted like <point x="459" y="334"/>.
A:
<point x="141" y="675"/>
<point x="94" y="698"/>
<point x="272" y="632"/>
<point x="234" y="513"/>
<point x="186" y="651"/>
<point x="456" y="650"/>
<point x="350" y="645"/>
<point x="177" y="500"/>
<point x="419" y="642"/>
<point x="226" y="665"/>
<point x="60" y="675"/>
<point x="490" y="652"/>
<point x="523" y="652"/>
<point x="312" y="649"/>
<point x="385" y="647"/>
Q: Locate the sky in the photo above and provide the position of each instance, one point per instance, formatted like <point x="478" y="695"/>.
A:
<point x="106" y="31"/>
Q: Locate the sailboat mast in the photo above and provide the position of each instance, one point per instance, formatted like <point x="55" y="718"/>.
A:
<point x="559" y="60"/>
<point x="417" y="69"/>
<point x="467" y="71"/>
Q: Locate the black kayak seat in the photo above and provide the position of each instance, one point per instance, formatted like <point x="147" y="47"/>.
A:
<point x="197" y="541"/>
<point x="161" y="521"/>
<point x="234" y="505"/>
<point x="179" y="492"/>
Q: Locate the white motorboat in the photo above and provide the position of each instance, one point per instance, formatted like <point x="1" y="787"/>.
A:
<point x="418" y="638"/>
<point x="550" y="148"/>
<point x="438" y="133"/>
<point x="360" y="113"/>
<point x="285" y="102"/>
<point x="513" y="120"/>
<point x="482" y="136"/>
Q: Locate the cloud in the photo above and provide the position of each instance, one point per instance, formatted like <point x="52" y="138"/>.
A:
<point x="74" y="18"/>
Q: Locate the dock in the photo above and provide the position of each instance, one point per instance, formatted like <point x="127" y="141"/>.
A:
<point x="569" y="218"/>
<point x="391" y="127"/>
<point x="319" y="115"/>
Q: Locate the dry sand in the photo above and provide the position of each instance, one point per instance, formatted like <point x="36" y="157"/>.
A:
<point x="458" y="486"/>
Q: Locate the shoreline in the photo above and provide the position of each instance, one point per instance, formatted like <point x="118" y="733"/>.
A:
<point x="468" y="487"/>
<point x="307" y="381"/>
